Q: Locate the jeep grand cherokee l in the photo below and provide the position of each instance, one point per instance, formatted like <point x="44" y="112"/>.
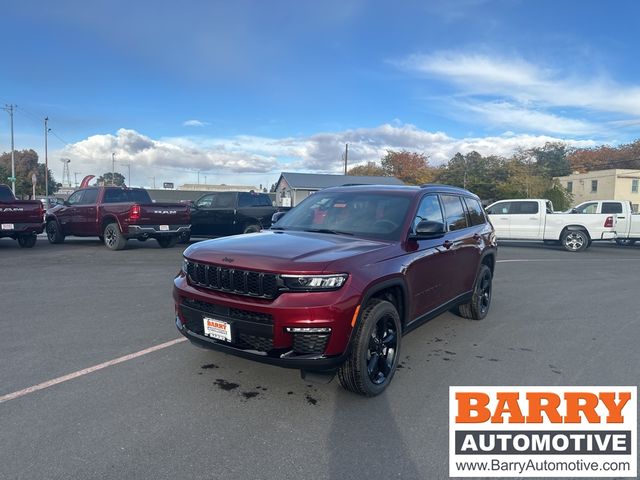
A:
<point x="338" y="280"/>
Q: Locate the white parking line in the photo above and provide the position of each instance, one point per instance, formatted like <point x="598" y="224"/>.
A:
<point x="86" y="371"/>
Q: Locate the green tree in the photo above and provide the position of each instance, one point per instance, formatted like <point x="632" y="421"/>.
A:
<point x="105" y="179"/>
<point x="26" y="164"/>
<point x="551" y="159"/>
<point x="481" y="175"/>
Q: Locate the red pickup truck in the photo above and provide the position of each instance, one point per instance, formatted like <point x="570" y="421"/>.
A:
<point x="21" y="220"/>
<point x="116" y="214"/>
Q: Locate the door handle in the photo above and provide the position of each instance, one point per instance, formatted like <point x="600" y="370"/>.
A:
<point x="533" y="218"/>
<point x="447" y="244"/>
<point x="621" y="218"/>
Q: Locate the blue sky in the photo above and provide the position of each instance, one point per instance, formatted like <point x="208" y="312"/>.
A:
<point x="243" y="90"/>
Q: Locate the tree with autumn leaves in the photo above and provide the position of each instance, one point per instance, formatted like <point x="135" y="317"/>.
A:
<point x="26" y="164"/>
<point x="410" y="167"/>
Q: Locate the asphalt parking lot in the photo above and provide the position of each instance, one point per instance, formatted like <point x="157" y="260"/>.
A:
<point x="557" y="318"/>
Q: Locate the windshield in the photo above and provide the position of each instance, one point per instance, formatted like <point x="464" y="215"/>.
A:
<point x="375" y="215"/>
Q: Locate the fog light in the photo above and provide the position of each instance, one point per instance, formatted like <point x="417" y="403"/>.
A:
<point x="308" y="329"/>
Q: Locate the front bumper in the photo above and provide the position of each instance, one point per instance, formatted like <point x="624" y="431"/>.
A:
<point x="311" y="362"/>
<point x="259" y="327"/>
<point x="156" y="231"/>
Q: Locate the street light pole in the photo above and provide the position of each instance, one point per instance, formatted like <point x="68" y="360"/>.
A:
<point x="9" y="109"/>
<point x="46" y="158"/>
<point x="113" y="168"/>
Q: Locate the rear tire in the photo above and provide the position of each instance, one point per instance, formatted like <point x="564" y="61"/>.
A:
<point x="253" y="228"/>
<point x="375" y="350"/>
<point x="113" y="238"/>
<point x="185" y="238"/>
<point x="480" y="302"/>
<point x="575" y="240"/>
<point x="27" y="241"/>
<point x="167" y="242"/>
<point x="54" y="232"/>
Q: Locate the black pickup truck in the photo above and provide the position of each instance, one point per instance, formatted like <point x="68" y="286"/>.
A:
<point x="220" y="214"/>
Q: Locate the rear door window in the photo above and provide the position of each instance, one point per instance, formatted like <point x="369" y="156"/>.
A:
<point x="611" y="207"/>
<point x="248" y="199"/>
<point x="476" y="214"/>
<point x="524" y="208"/>
<point x="454" y="211"/>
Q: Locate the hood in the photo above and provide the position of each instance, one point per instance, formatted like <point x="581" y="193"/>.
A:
<point x="282" y="251"/>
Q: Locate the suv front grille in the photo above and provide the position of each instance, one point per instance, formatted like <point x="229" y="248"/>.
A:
<point x="241" y="282"/>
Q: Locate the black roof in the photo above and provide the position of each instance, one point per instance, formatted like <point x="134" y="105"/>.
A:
<point x="318" y="181"/>
<point x="431" y="187"/>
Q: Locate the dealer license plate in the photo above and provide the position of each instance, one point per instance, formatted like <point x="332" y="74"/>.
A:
<point x="7" y="226"/>
<point x="164" y="228"/>
<point x="218" y="329"/>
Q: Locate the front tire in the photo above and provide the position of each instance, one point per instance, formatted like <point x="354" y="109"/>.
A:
<point x="480" y="302"/>
<point x="375" y="350"/>
<point x="575" y="240"/>
<point x="113" y="238"/>
<point x="54" y="232"/>
<point x="167" y="242"/>
<point x="27" y="241"/>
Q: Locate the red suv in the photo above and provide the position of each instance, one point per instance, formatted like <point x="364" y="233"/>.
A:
<point x="338" y="280"/>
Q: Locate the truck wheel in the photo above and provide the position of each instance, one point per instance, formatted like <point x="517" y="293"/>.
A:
<point x="251" y="228"/>
<point x="185" y="237"/>
<point x="375" y="350"/>
<point x="480" y="302"/>
<point x="27" y="241"/>
<point x="54" y="233"/>
<point x="113" y="238"/>
<point x="167" y="242"/>
<point x="575" y="240"/>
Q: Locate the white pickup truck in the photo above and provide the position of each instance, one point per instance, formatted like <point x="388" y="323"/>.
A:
<point x="534" y="219"/>
<point x="627" y="222"/>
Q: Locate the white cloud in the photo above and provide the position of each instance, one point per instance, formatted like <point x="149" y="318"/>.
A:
<point x="242" y="159"/>
<point x="195" y="123"/>
<point x="526" y="95"/>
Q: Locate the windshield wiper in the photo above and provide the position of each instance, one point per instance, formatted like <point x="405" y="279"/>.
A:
<point x="326" y="230"/>
<point x="278" y="228"/>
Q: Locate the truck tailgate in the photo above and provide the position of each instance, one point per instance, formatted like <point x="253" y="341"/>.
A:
<point x="164" y="214"/>
<point x="25" y="211"/>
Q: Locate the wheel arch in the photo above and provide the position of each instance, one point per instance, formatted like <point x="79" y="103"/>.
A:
<point x="574" y="228"/>
<point x="106" y="220"/>
<point x="393" y="290"/>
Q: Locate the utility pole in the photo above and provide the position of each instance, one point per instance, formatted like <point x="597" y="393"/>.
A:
<point x="46" y="158"/>
<point x="154" y="181"/>
<point x="113" y="168"/>
<point x="346" y="157"/>
<point x="75" y="176"/>
<point x="198" y="177"/>
<point x="9" y="109"/>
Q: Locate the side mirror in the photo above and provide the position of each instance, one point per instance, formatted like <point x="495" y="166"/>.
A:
<point x="66" y="203"/>
<point x="574" y="210"/>
<point x="427" y="229"/>
<point x="277" y="216"/>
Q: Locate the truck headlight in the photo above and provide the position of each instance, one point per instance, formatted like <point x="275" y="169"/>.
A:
<point x="306" y="283"/>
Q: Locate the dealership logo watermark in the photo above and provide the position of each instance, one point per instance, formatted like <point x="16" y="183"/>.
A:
<point x="543" y="431"/>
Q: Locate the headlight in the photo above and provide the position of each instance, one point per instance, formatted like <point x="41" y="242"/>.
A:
<point x="185" y="265"/>
<point x="306" y="283"/>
